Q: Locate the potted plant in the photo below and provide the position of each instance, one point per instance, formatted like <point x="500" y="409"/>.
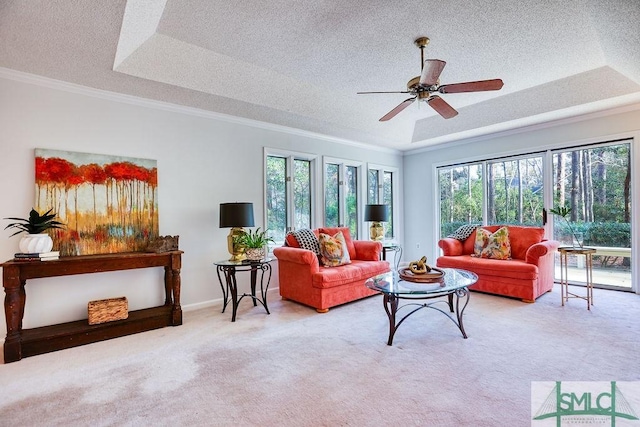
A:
<point x="36" y="240"/>
<point x="564" y="211"/>
<point x="254" y="243"/>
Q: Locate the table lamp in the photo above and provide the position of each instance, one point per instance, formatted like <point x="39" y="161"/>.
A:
<point x="376" y="214"/>
<point x="236" y="215"/>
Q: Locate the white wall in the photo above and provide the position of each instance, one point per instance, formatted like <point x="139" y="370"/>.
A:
<point x="420" y="187"/>
<point x="202" y="162"/>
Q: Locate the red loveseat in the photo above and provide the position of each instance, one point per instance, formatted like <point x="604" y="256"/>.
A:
<point x="303" y="279"/>
<point x="529" y="274"/>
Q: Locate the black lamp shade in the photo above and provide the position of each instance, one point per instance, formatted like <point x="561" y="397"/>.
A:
<point x="376" y="213"/>
<point x="236" y="215"/>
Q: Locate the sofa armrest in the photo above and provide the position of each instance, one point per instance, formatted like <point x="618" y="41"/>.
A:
<point x="539" y="250"/>
<point x="450" y="246"/>
<point x="298" y="256"/>
<point x="367" y="250"/>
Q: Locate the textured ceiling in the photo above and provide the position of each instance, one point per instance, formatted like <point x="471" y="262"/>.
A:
<point x="299" y="64"/>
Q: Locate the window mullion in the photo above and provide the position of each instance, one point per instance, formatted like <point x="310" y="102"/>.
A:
<point x="290" y="192"/>
<point x="341" y="195"/>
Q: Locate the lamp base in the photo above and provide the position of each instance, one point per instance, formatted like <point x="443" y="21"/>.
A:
<point x="376" y="231"/>
<point x="235" y="249"/>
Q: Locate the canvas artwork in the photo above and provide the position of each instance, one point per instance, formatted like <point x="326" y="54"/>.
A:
<point x="108" y="203"/>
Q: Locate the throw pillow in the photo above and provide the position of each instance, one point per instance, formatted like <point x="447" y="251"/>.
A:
<point x="306" y="239"/>
<point x="492" y="245"/>
<point x="333" y="250"/>
<point x="332" y="231"/>
<point x="463" y="232"/>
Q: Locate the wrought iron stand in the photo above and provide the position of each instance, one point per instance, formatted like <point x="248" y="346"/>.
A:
<point x="391" y="301"/>
<point x="230" y="286"/>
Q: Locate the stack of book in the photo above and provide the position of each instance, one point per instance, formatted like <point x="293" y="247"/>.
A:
<point x="44" y="256"/>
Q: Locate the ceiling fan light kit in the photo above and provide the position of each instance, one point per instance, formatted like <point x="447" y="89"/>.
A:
<point x="423" y="86"/>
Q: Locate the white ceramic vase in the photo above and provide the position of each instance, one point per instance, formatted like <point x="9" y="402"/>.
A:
<point x="35" y="243"/>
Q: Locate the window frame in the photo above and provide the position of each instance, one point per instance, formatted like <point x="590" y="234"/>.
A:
<point x="342" y="206"/>
<point x="290" y="157"/>
<point x="395" y="197"/>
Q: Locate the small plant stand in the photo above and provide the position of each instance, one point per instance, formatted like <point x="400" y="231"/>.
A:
<point x="565" y="251"/>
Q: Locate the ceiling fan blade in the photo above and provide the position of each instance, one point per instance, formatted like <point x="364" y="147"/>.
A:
<point x="391" y="114"/>
<point x="431" y="71"/>
<point x="481" y="85"/>
<point x="366" y="93"/>
<point x="442" y="107"/>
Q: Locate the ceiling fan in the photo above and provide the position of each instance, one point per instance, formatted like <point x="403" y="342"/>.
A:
<point x="427" y="82"/>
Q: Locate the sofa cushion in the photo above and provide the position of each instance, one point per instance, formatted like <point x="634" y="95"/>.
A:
<point x="333" y="250"/>
<point x="492" y="245"/>
<point x="522" y="238"/>
<point x="512" y="268"/>
<point x="303" y="239"/>
<point x="347" y="237"/>
<point x="328" y="277"/>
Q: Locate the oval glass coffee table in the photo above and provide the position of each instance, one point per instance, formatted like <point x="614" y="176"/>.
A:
<point x="394" y="289"/>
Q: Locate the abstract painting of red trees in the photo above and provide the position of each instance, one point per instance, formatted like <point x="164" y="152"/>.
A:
<point x="108" y="203"/>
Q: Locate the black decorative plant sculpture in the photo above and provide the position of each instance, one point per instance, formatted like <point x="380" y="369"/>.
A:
<point x="36" y="223"/>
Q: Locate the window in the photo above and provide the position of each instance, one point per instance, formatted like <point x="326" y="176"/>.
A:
<point x="381" y="189"/>
<point x="341" y="194"/>
<point x="593" y="180"/>
<point x="514" y="191"/>
<point x="460" y="196"/>
<point x="513" y="195"/>
<point x="288" y="192"/>
<point x="332" y="195"/>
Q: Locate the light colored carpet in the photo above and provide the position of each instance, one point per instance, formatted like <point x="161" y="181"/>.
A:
<point x="299" y="368"/>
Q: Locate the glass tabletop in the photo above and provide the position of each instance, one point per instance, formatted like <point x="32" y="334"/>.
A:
<point x="391" y="283"/>
<point x="227" y="263"/>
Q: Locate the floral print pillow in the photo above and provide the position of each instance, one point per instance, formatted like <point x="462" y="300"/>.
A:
<point x="494" y="246"/>
<point x="333" y="250"/>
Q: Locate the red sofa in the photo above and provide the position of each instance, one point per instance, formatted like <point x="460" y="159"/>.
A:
<point x="303" y="279"/>
<point x="529" y="274"/>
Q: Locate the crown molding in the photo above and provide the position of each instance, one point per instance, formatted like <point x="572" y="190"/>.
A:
<point x="61" y="85"/>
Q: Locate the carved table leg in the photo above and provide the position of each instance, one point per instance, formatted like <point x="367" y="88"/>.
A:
<point x="14" y="301"/>
<point x="176" y="312"/>
<point x="168" y="285"/>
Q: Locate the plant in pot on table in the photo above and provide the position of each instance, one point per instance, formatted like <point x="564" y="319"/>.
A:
<point x="254" y="243"/>
<point x="564" y="211"/>
<point x="36" y="240"/>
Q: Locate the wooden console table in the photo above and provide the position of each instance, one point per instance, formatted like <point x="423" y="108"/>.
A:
<point x="21" y="343"/>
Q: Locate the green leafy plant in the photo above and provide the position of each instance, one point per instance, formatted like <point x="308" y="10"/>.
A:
<point x="254" y="239"/>
<point x="36" y="223"/>
<point x="564" y="211"/>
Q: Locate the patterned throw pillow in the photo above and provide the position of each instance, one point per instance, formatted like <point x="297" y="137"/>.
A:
<point x="333" y="250"/>
<point x="463" y="232"/>
<point x="306" y="240"/>
<point x="495" y="246"/>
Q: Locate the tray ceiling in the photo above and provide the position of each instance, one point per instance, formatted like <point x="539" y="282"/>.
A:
<point x="299" y="64"/>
